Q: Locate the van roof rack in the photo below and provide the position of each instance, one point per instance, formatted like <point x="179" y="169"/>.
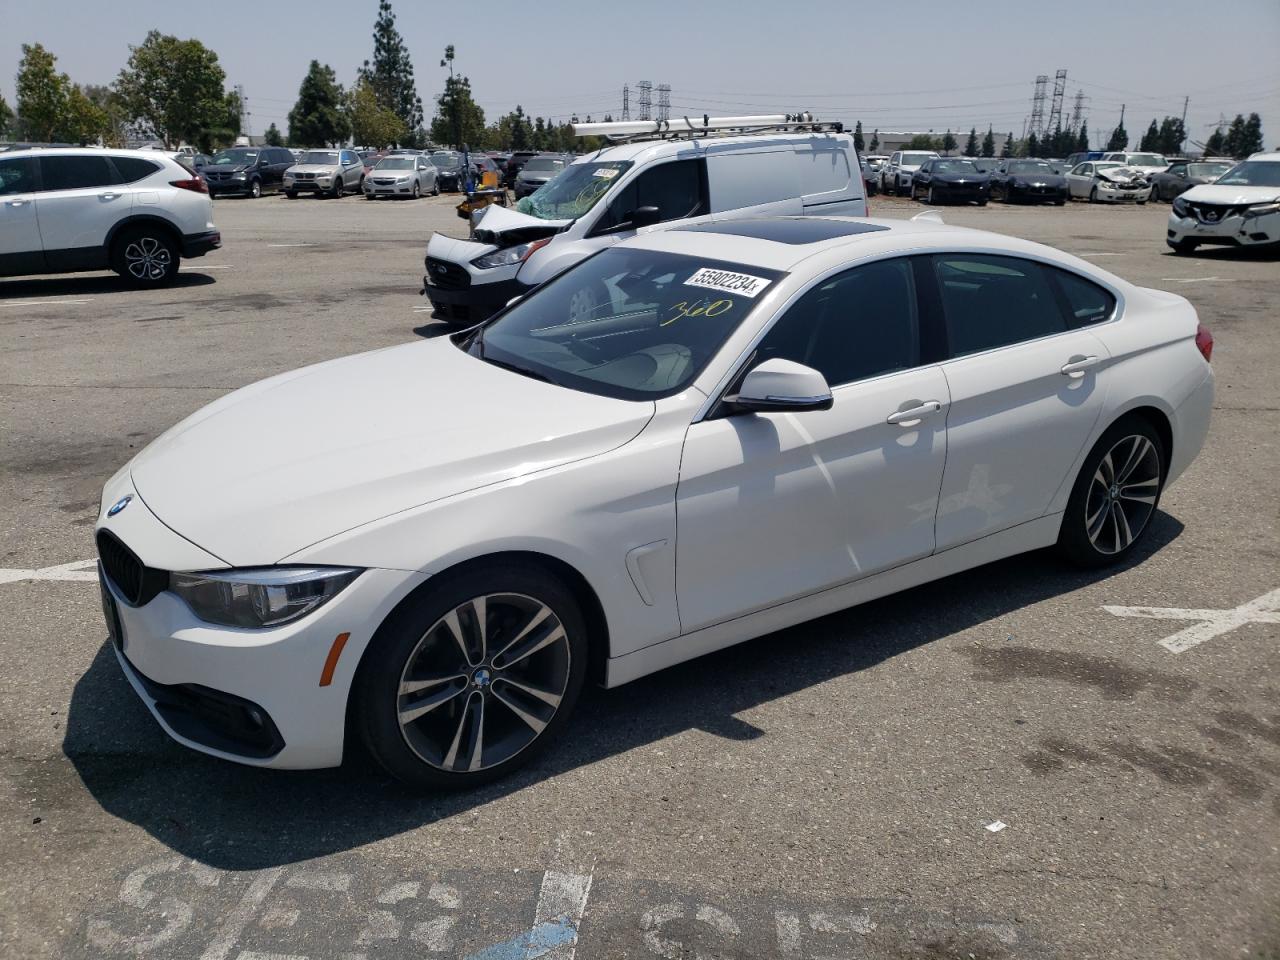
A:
<point x="685" y="128"/>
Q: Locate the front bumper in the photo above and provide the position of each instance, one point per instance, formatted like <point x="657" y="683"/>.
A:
<point x="449" y="182"/>
<point x="253" y="696"/>
<point x="1234" y="231"/>
<point x="1034" y="193"/>
<point x="227" y="186"/>
<point x="475" y="303"/>
<point x="1109" y="194"/>
<point x="388" y="189"/>
<point x="308" y="186"/>
<point x="961" y="192"/>
<point x="198" y="244"/>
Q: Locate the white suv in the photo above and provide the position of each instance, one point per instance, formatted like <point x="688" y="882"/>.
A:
<point x="1241" y="208"/>
<point x="896" y="174"/>
<point x="137" y="212"/>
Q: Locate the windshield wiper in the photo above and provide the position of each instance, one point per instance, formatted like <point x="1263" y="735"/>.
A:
<point x="514" y="368"/>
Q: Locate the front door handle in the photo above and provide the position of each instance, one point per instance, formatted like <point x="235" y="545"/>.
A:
<point x="108" y="196"/>
<point x="1076" y="367"/>
<point x="912" y="416"/>
<point x="18" y="203"/>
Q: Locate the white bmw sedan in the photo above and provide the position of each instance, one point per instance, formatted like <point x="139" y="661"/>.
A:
<point x="435" y="545"/>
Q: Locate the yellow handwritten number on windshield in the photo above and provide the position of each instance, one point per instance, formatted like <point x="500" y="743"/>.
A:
<point x="698" y="308"/>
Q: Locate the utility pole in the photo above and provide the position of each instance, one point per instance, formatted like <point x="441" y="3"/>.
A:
<point x="1185" y="101"/>
<point x="244" y="110"/>
<point x="626" y="101"/>
<point x="453" y="102"/>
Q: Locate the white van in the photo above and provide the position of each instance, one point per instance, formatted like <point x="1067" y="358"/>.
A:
<point x="612" y="194"/>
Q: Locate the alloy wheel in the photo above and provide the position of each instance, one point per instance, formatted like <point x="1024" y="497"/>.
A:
<point x="1122" y="495"/>
<point x="483" y="682"/>
<point x="146" y="258"/>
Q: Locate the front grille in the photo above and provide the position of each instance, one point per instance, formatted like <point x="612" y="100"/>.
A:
<point x="1213" y="212"/>
<point x="137" y="583"/>
<point x="446" y="275"/>
<point x="304" y="176"/>
<point x="382" y="182"/>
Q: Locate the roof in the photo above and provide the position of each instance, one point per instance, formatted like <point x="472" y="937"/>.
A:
<point x="838" y="240"/>
<point x="74" y="151"/>
<point x="692" y="146"/>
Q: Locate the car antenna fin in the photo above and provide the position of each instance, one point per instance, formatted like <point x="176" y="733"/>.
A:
<point x="929" y="216"/>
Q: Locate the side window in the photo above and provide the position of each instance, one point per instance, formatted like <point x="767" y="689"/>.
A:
<point x="858" y="324"/>
<point x="76" y="172"/>
<point x="1086" y="302"/>
<point x="1178" y="169"/>
<point x="133" y="169"/>
<point x="17" y="175"/>
<point x="348" y="158"/>
<point x="990" y="302"/>
<point x="674" y="188"/>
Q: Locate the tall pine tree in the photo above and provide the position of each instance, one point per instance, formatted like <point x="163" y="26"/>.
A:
<point x="989" y="143"/>
<point x="317" y="119"/>
<point x="1007" y="149"/>
<point x="857" y="136"/>
<point x="1083" y="143"/>
<point x="971" y="145"/>
<point x="1151" y="139"/>
<point x="391" y="72"/>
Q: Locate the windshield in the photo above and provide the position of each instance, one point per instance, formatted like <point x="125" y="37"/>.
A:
<point x="235" y="157"/>
<point x="1031" y="166"/>
<point x="573" y="191"/>
<point x="544" y="164"/>
<point x="319" y="156"/>
<point x="1109" y="165"/>
<point x="1212" y="170"/>
<point x="954" y="166"/>
<point x="446" y="160"/>
<point x="653" y="322"/>
<point x="395" y="163"/>
<point x="1147" y="160"/>
<point x="915" y="159"/>
<point x="1253" y="173"/>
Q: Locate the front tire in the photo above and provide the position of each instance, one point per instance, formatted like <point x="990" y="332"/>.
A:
<point x="145" y="257"/>
<point x="255" y="190"/>
<point x="931" y="201"/>
<point x="1093" y="195"/>
<point x="473" y="677"/>
<point x="337" y="190"/>
<point x="1115" y="495"/>
<point x="291" y="194"/>
<point x="1184" y="246"/>
<point x="417" y="191"/>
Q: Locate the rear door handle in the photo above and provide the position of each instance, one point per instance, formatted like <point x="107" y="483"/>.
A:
<point x="911" y="417"/>
<point x="1076" y="368"/>
<point x="108" y="196"/>
<point x="18" y="203"/>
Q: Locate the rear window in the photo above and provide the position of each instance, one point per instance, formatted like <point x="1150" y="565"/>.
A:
<point x="132" y="169"/>
<point x="544" y="164"/>
<point x="76" y="172"/>
<point x="1086" y="301"/>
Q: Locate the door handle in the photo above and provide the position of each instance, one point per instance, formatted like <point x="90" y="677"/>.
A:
<point x="911" y="417"/>
<point x="1076" y="368"/>
<point x="108" y="196"/>
<point x="17" y="203"/>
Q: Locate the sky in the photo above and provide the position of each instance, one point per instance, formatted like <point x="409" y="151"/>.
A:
<point x="919" y="65"/>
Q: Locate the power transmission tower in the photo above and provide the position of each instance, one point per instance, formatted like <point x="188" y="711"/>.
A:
<point x="626" y="102"/>
<point x="1036" y="124"/>
<point x="645" y="99"/>
<point x="1077" y="112"/>
<point x="1055" y="111"/>
<point x="664" y="101"/>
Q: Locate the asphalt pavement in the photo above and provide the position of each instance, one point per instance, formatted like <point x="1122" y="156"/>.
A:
<point x="1007" y="763"/>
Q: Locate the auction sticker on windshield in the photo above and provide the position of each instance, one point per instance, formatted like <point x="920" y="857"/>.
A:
<point x="727" y="282"/>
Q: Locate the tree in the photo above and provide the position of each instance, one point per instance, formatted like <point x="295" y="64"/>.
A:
<point x="922" y="141"/>
<point x="948" y="142"/>
<point x="875" y="140"/>
<point x="1119" y="138"/>
<point x="971" y="145"/>
<point x="1151" y="139"/>
<point x="272" y="137"/>
<point x="1168" y="139"/>
<point x="1216" y="145"/>
<point x="1082" y="144"/>
<point x="1251" y="139"/>
<point x="989" y="143"/>
<point x="857" y="136"/>
<point x="318" y="119"/>
<point x="1235" y="137"/>
<point x="458" y="118"/>
<point x="6" y="117"/>
<point x="115" y="132"/>
<point x="1007" y="149"/>
<point x="42" y="94"/>
<point x="174" y="90"/>
<point x="391" y="71"/>
<point x="1032" y="146"/>
<point x="83" y="121"/>
<point x="372" y="124"/>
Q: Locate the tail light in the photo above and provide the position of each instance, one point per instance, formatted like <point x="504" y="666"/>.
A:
<point x="195" y="183"/>
<point x="1204" y="342"/>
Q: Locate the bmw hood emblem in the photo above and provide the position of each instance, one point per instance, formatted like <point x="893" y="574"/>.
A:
<point x="119" y="505"/>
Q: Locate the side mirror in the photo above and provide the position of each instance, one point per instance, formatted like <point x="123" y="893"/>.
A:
<point x="779" y="385"/>
<point x="644" y="217"/>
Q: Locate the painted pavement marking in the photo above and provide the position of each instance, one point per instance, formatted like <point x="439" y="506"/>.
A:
<point x="562" y="901"/>
<point x="239" y="918"/>
<point x="44" y="303"/>
<point x="77" y="572"/>
<point x="1213" y="623"/>
<point x="1196" y="280"/>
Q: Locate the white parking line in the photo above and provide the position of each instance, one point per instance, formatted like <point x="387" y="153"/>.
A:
<point x="214" y="266"/>
<point x="75" y="572"/>
<point x="1196" y="280"/>
<point x="1099" y="254"/>
<point x="1213" y="623"/>
<point x="290" y="244"/>
<point x="43" y="303"/>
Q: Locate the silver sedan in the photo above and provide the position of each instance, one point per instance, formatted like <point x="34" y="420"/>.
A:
<point x="407" y="177"/>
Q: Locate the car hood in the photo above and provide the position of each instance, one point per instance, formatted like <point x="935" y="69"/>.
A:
<point x="227" y="167"/>
<point x="1224" y="194"/>
<point x="1048" y="179"/>
<point x="505" y="227"/>
<point x="288" y="462"/>
<point x="978" y="178"/>
<point x="1122" y="175"/>
<point x="313" y="168"/>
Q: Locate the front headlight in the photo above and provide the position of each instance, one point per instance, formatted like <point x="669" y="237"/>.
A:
<point x="261" y="596"/>
<point x="239" y="176"/>
<point x="1262" y="209"/>
<point x="1180" y="206"/>
<point x="402" y="179"/>
<point x="505" y="258"/>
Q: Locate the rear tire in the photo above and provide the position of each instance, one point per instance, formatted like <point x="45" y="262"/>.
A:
<point x="1116" y="494"/>
<point x="145" y="256"/>
<point x="466" y="737"/>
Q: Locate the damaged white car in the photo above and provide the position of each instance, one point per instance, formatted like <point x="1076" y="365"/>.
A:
<point x="612" y="194"/>
<point x="1106" y="181"/>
